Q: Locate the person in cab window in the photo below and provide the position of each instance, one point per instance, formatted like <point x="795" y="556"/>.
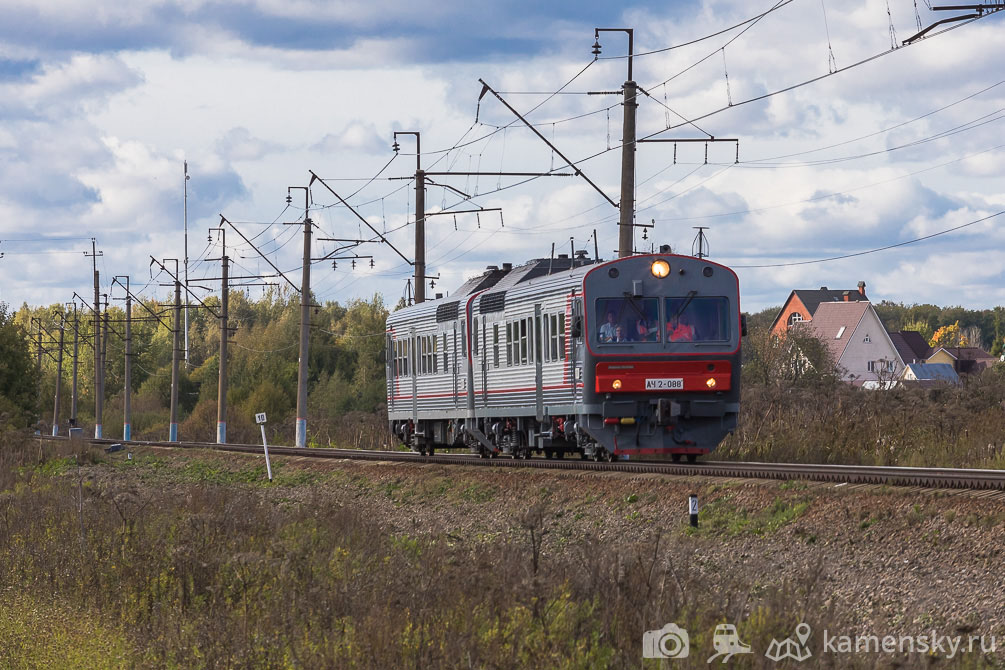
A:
<point x="619" y="334"/>
<point x="607" y="328"/>
<point x="643" y="333"/>
<point x="681" y="330"/>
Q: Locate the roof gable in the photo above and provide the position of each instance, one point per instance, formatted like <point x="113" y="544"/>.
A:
<point x="834" y="324"/>
<point x="813" y="298"/>
<point x="933" y="371"/>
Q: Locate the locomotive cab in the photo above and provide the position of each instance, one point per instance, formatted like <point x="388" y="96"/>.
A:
<point x="661" y="368"/>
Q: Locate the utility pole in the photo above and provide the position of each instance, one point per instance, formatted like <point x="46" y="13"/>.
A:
<point x="420" y="217"/>
<point x="127" y="413"/>
<point x="98" y="393"/>
<point x="305" y="319"/>
<point x="73" y="391"/>
<point x="59" y="375"/>
<point x="626" y="222"/>
<point x="38" y="364"/>
<point x="104" y="346"/>
<point x="186" y="260"/>
<point x="175" y="355"/>
<point x="221" y="394"/>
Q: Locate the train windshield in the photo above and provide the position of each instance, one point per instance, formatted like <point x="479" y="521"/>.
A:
<point x="628" y="320"/>
<point x="693" y="319"/>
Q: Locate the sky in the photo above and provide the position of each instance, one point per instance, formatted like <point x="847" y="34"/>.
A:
<point x="845" y="144"/>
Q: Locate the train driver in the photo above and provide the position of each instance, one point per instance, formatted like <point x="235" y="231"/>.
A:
<point x="681" y="330"/>
<point x="607" y="328"/>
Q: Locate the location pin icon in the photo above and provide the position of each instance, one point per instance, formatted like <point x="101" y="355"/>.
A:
<point x="803" y="633"/>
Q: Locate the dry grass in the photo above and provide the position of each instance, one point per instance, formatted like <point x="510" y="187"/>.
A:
<point x="833" y="422"/>
<point x="99" y="571"/>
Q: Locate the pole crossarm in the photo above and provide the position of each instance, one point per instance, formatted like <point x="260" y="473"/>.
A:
<point x="187" y="290"/>
<point x="979" y="9"/>
<point x="223" y="220"/>
<point x="464" y="211"/>
<point x="358" y="216"/>
<point x="488" y="89"/>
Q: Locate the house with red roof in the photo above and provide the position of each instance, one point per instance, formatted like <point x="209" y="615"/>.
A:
<point x="802" y="305"/>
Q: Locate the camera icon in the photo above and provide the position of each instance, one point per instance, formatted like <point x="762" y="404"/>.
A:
<point x="670" y="641"/>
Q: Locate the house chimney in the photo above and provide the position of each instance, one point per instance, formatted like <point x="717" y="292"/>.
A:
<point x="861" y="288"/>
<point x="507" y="266"/>
<point x="845" y="296"/>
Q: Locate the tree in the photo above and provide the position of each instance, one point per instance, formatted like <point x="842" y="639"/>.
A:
<point x="920" y="327"/>
<point x="949" y="336"/>
<point x="18" y="376"/>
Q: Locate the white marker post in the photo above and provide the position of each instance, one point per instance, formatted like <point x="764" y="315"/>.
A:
<point x="260" y="420"/>
<point x="692" y="509"/>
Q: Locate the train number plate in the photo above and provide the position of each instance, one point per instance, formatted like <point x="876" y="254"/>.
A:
<point x="666" y="384"/>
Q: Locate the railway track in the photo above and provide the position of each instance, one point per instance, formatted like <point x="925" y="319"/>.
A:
<point x="929" y="478"/>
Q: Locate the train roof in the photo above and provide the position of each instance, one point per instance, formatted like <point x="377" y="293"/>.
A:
<point x="507" y="276"/>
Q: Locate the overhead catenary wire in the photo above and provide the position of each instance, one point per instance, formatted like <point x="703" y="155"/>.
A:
<point x="870" y="251"/>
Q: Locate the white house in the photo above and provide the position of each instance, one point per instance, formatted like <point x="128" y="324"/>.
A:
<point x="857" y="341"/>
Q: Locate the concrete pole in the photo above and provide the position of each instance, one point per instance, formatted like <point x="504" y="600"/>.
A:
<point x="104" y="346"/>
<point x="221" y="401"/>
<point x="175" y="355"/>
<point x="185" y="216"/>
<point x="38" y="366"/>
<point x="305" y="330"/>
<point x="59" y="376"/>
<point x="420" y="231"/>
<point x="73" y="388"/>
<point x="97" y="358"/>
<point x="626" y="230"/>
<point x="127" y="389"/>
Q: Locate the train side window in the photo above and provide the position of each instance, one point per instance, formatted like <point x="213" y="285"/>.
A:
<point x="436" y="359"/>
<point x="523" y="341"/>
<point x="536" y="323"/>
<point x="446" y="367"/>
<point x="509" y="344"/>
<point x="561" y="336"/>
<point x="474" y="336"/>
<point x="495" y="343"/>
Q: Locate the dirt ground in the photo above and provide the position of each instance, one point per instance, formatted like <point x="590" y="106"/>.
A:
<point x="883" y="560"/>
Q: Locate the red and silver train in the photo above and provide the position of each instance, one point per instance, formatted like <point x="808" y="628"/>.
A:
<point x="635" y="358"/>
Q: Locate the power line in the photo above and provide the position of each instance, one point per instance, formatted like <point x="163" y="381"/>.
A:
<point x="871" y="251"/>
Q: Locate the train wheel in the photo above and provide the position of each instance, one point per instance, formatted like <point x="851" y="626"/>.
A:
<point x="692" y="458"/>
<point x="431" y="450"/>
<point x="675" y="458"/>
<point x="549" y="454"/>
<point x="609" y="457"/>
<point x="560" y="454"/>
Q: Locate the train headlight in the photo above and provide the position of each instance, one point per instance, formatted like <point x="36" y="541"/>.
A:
<point x="616" y="384"/>
<point x="710" y="383"/>
<point x="660" y="268"/>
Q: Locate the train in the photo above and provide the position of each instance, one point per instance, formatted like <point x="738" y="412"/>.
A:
<point x="632" y="358"/>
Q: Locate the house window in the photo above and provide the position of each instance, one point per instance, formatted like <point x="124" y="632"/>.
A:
<point x="872" y="366"/>
<point x="840" y="333"/>
<point x="795" y="317"/>
<point x="891" y="366"/>
<point x="867" y="339"/>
